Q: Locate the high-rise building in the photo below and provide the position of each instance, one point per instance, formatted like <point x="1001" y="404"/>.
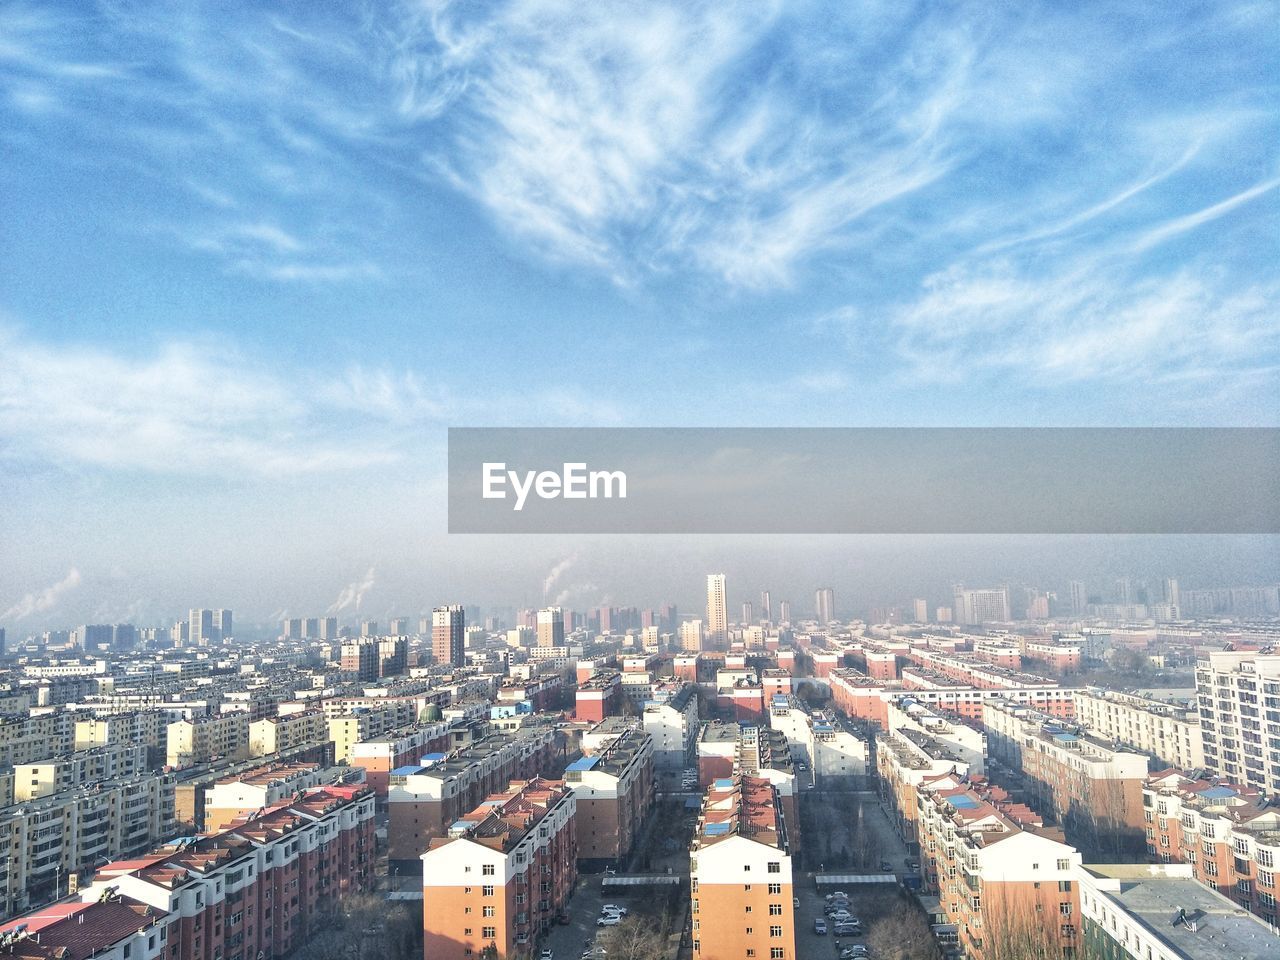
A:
<point x="824" y="605"/>
<point x="361" y="658"/>
<point x="1172" y="596"/>
<point x="973" y="607"/>
<point x="368" y="628"/>
<point x="1079" y="598"/>
<point x="550" y="630"/>
<point x="717" y="611"/>
<point x="448" y="634"/>
<point x="1234" y="690"/>
<point x="399" y="627"/>
<point x="748" y="614"/>
<point x="920" y="610"/>
<point x="784" y="611"/>
<point x="200" y="630"/>
<point x="740" y="873"/>
<point x="766" y="606"/>
<point x="222" y="623"/>
<point x="1124" y="590"/>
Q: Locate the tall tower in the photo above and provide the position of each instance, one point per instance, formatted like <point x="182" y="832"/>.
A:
<point x="448" y="634"/>
<point x="748" y="614"/>
<point x="1079" y="598"/>
<point x="551" y="627"/>
<point x="766" y="606"/>
<point x="717" y="611"/>
<point x="824" y="605"/>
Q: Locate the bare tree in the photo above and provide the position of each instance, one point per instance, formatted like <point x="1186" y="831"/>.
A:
<point x="1016" y="930"/>
<point x="635" y="938"/>
<point x="902" y="932"/>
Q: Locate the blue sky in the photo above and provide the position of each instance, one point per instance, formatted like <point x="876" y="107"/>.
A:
<point x="258" y="256"/>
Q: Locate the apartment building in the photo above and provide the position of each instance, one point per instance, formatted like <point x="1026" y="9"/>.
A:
<point x="192" y="784"/>
<point x="56" y="774"/>
<point x="24" y="738"/>
<point x="502" y="874"/>
<point x="277" y="734"/>
<point x="51" y="838"/>
<point x="115" y="928"/>
<point x="672" y="722"/>
<point x="1142" y="912"/>
<point x="741" y="874"/>
<point x="599" y="696"/>
<point x="905" y="760"/>
<point x="381" y="755"/>
<point x="960" y="735"/>
<point x="242" y="794"/>
<point x="255" y="889"/>
<point x="1006" y="883"/>
<point x="423" y="799"/>
<point x="613" y="788"/>
<point x="1238" y="694"/>
<point x="148" y="727"/>
<point x="1164" y="731"/>
<point x="200" y="739"/>
<point x="368" y="723"/>
<point x="1228" y="834"/>
<point x="1092" y="789"/>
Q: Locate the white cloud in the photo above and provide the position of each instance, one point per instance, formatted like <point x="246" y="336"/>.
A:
<point x="45" y="599"/>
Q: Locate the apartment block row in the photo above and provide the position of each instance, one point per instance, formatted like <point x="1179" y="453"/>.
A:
<point x="51" y="839"/>
<point x="1167" y="732"/>
<point x="425" y="798"/>
<point x="741" y="877"/>
<point x="672" y="721"/>
<point x="502" y="873"/>
<point x="614" y="788"/>
<point x="1091" y="788"/>
<point x="1238" y="695"/>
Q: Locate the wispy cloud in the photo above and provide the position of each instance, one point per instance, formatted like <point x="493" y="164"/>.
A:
<point x="45" y="599"/>
<point x="353" y="594"/>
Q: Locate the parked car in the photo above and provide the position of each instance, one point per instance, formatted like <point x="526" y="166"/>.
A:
<point x="838" y="895"/>
<point x="848" y="928"/>
<point x="609" y="920"/>
<point x="855" y="951"/>
<point x="547" y="954"/>
<point x="840" y="915"/>
<point x="820" y="926"/>
<point x="913" y="865"/>
<point x="613" y="908"/>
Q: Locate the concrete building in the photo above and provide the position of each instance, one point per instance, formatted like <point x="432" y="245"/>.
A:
<point x="741" y="874"/>
<point x="599" y="696"/>
<point x="672" y="722"/>
<point x="51" y="838"/>
<point x="368" y="723"/>
<point x="961" y="736"/>
<point x="501" y="874"/>
<point x="379" y="756"/>
<point x="550" y="627"/>
<point x="1140" y="912"/>
<point x="56" y="774"/>
<point x="359" y="656"/>
<point x="905" y="760"/>
<point x="717" y="626"/>
<point x="242" y="794"/>
<point x="25" y="737"/>
<point x="277" y="734"/>
<point x="256" y="889"/>
<point x="824" y="605"/>
<point x="147" y="727"/>
<point x="1092" y="789"/>
<point x="613" y="787"/>
<point x="1168" y="733"/>
<point x="116" y="928"/>
<point x="980" y="606"/>
<point x="425" y="797"/>
<point x="1238" y="693"/>
<point x="1006" y="883"/>
<point x="1229" y="836"/>
<point x="448" y="635"/>
<point x="201" y="739"/>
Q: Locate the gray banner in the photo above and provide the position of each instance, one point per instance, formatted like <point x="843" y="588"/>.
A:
<point x="883" y="480"/>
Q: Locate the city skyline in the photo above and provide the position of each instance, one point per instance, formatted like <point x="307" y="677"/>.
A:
<point x="268" y="255"/>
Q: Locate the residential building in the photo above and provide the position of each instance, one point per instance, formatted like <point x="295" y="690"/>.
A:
<point x="201" y="739"/>
<point x="258" y="888"/>
<point x="1141" y="912"/>
<point x="70" y="770"/>
<point x="1092" y="789"/>
<point x="114" y="928"/>
<point x="278" y="734"/>
<point x="1166" y="732"/>
<point x="717" y="626"/>
<point x="672" y="722"/>
<point x="501" y="874"/>
<point x="448" y="633"/>
<point x="242" y="794"/>
<point x="1238" y="693"/>
<point x="613" y="788"/>
<point x="550" y="627"/>
<point x="980" y="606"/>
<point x="824" y="605"/>
<point x="741" y="874"/>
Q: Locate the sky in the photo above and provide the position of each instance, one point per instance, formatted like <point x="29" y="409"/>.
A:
<point x="257" y="257"/>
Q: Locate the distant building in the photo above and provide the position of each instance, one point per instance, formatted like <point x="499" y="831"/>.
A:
<point x="550" y="627"/>
<point x="824" y="605"/>
<point x="981" y="606"/>
<point x="717" y="611"/>
<point x="448" y="633"/>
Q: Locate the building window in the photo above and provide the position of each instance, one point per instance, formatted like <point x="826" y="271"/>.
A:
<point x="487" y="911"/>
<point x="775" y="866"/>
<point x="775" y="888"/>
<point x="1064" y="864"/>
<point x="775" y="909"/>
<point x="486" y="890"/>
<point x="487" y="870"/>
<point x="775" y="931"/>
<point x="488" y="933"/>
<point x="775" y="953"/>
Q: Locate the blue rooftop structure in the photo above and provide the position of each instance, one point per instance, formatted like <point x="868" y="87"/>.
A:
<point x="723" y="783"/>
<point x="406" y="770"/>
<point x="1217" y="793"/>
<point x="963" y="801"/>
<point x="716" y="829"/>
<point x="584" y="763"/>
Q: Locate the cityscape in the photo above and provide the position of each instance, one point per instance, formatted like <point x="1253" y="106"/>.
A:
<point x="1002" y="773"/>
<point x="639" y="480"/>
